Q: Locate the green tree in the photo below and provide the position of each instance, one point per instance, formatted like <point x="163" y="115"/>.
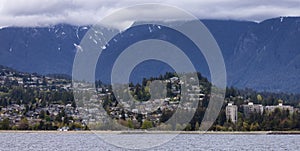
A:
<point x="188" y="127"/>
<point x="197" y="126"/>
<point x="24" y="125"/>
<point x="5" y="124"/>
<point x="245" y="126"/>
<point x="259" y="98"/>
<point x="254" y="127"/>
<point x="130" y="124"/>
<point x="147" y="124"/>
<point x="179" y="127"/>
<point x="42" y="114"/>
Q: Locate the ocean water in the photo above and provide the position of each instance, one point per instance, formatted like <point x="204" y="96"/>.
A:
<point x="80" y="141"/>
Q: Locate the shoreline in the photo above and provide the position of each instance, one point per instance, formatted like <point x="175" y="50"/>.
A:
<point x="162" y="132"/>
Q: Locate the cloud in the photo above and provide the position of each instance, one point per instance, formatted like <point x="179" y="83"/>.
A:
<point x="82" y="12"/>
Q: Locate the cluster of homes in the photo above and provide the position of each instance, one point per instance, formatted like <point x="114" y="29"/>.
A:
<point x="33" y="80"/>
<point x="16" y="112"/>
<point x="134" y="110"/>
<point x="90" y="108"/>
<point x="248" y="109"/>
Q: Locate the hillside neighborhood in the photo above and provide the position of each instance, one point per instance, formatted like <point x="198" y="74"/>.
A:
<point x="31" y="101"/>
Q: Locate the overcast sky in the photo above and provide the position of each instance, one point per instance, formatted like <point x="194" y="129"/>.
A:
<point x="82" y="12"/>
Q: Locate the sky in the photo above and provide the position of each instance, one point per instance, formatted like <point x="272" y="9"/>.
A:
<point x="84" y="12"/>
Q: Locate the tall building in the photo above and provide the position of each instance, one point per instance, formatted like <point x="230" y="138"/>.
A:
<point x="281" y="107"/>
<point x="231" y="112"/>
<point x="252" y="108"/>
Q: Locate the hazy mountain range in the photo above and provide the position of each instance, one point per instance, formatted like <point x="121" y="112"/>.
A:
<point x="263" y="56"/>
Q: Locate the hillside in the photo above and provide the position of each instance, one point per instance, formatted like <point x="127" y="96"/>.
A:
<point x="262" y="56"/>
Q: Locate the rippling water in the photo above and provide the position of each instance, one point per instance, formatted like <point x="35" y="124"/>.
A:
<point x="78" y="141"/>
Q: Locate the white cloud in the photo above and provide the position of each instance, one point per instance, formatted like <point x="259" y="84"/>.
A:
<point x="80" y="12"/>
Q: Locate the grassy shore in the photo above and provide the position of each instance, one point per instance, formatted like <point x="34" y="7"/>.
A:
<point x="165" y="132"/>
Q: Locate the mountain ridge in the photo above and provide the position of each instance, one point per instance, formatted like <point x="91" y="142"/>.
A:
<point x="264" y="56"/>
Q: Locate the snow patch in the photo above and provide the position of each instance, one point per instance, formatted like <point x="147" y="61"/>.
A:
<point x="2" y="27"/>
<point x="158" y="27"/>
<point x="78" y="47"/>
<point x="281" y="19"/>
<point x="150" y="30"/>
<point x="99" y="32"/>
<point x="77" y="35"/>
<point x="95" y="41"/>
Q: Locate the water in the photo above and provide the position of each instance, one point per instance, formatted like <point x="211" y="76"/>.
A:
<point x="78" y="141"/>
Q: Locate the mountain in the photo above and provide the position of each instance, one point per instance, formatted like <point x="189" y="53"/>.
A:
<point x="267" y="57"/>
<point x="42" y="50"/>
<point x="262" y="56"/>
